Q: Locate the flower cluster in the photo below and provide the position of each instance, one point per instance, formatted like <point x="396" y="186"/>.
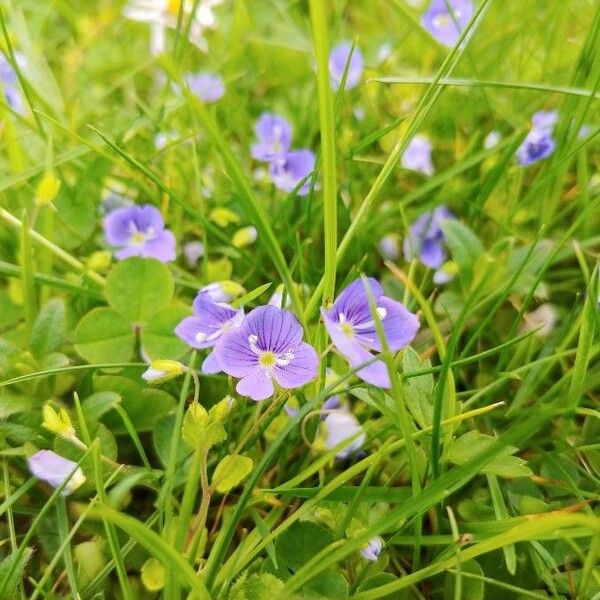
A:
<point x="287" y="168"/>
<point x="539" y="142"/>
<point x="445" y="20"/>
<point x="266" y="346"/>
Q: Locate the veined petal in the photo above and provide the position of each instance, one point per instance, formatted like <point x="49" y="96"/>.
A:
<point x="276" y="330"/>
<point x="353" y="301"/>
<point x="301" y="369"/>
<point x="234" y="355"/>
<point x="356" y="354"/>
<point x="257" y="385"/>
<point x="399" y="326"/>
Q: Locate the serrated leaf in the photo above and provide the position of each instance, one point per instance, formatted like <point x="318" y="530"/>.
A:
<point x="474" y="443"/>
<point x="11" y="572"/>
<point x="231" y="471"/>
<point x="138" y="288"/>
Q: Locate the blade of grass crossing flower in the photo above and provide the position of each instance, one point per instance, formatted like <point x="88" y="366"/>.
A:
<point x="39" y="517"/>
<point x="423" y="108"/>
<point x="166" y="190"/>
<point x="399" y="396"/>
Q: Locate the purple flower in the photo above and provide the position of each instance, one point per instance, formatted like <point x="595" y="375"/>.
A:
<point x="372" y="550"/>
<point x="274" y="135"/>
<point x="55" y="470"/>
<point x="221" y="291"/>
<point x="267" y="346"/>
<point x="538" y="144"/>
<point x="192" y="252"/>
<point x="338" y="57"/>
<point x="209" y="87"/>
<point x="209" y="322"/>
<point x="342" y="425"/>
<point x="10" y="82"/>
<point x="389" y="247"/>
<point x="139" y="231"/>
<point x="352" y="329"/>
<point x="544" y="119"/>
<point x="417" y="156"/>
<point x="425" y="239"/>
<point x="446" y="19"/>
<point x="288" y="171"/>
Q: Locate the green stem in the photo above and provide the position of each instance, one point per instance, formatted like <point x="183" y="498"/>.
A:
<point x="318" y="16"/>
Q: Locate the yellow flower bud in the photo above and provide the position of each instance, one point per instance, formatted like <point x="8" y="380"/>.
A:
<point x="47" y="189"/>
<point x="244" y="237"/>
<point x="58" y="422"/>
<point x="223" y="216"/>
<point x="99" y="261"/>
<point x="162" y="370"/>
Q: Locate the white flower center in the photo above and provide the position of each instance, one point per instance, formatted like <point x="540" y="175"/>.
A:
<point x="268" y="359"/>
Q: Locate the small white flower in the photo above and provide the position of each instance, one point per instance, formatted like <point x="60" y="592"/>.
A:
<point x="162" y="14"/>
<point x="341" y="425"/>
<point x="492" y="139"/>
<point x="542" y="320"/>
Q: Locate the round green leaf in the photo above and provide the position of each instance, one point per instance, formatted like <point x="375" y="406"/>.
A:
<point x="472" y="588"/>
<point x="158" y="336"/>
<point x="137" y="288"/>
<point x="231" y="471"/>
<point x="102" y="336"/>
